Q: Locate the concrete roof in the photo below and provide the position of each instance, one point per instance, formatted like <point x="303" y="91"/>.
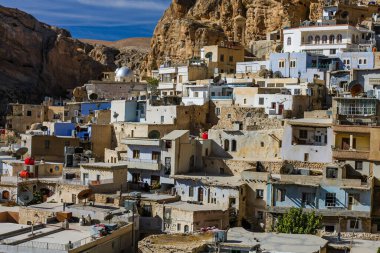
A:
<point x="276" y="243"/>
<point x="175" y="134"/>
<point x="358" y="246"/>
<point x="102" y="165"/>
<point x="184" y="206"/>
<point x="311" y="122"/>
<point x="213" y="180"/>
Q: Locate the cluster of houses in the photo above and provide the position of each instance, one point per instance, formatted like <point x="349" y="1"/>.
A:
<point x="229" y="139"/>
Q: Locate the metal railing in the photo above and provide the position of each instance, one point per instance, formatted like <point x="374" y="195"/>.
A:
<point x="137" y="160"/>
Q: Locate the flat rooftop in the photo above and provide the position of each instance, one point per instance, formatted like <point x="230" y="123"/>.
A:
<point x="311" y="122"/>
<point x="184" y="206"/>
<point x="150" y="196"/>
<point x="272" y="242"/>
<point x="102" y="165"/>
<point x="216" y="180"/>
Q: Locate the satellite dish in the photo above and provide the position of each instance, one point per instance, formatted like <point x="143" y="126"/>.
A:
<point x="287" y="169"/>
<point x="355" y="88"/>
<point x="44" y="128"/>
<point x="25" y="197"/>
<point x="21" y="151"/>
<point x="85" y="194"/>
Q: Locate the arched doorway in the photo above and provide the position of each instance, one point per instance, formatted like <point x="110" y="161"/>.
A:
<point x="186" y="229"/>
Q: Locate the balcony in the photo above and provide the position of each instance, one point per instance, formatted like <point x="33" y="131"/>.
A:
<point x="142" y="142"/>
<point x="143" y="164"/>
<point x="167" y="86"/>
<point x="353" y="154"/>
<point x="221" y="97"/>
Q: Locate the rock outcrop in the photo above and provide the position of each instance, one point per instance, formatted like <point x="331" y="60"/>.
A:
<point x="188" y="25"/>
<point x="39" y="60"/>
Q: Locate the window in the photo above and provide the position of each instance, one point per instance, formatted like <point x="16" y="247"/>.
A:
<point x="260" y="215"/>
<point x="226" y="145"/>
<point x="324" y="39"/>
<point x="330" y="199"/>
<point x="179" y="227"/>
<point x="303" y="134"/>
<point x="332" y="51"/>
<point x="358" y="165"/>
<point x="306" y="157"/>
<point x="261" y="101"/>
<point x="222" y="57"/>
<point x="293" y="63"/>
<point x="362" y="61"/>
<point x="310" y="39"/>
<point x="354" y="224"/>
<point x="47" y="144"/>
<point x="281" y="64"/>
<point x="233" y="146"/>
<point x="156" y="156"/>
<point x="262" y="144"/>
<point x="217" y="111"/>
<point x="231" y="58"/>
<point x="308" y="198"/>
<point x="339" y="38"/>
<point x="28" y="113"/>
<point x="331" y="172"/>
<point x="196" y="94"/>
<point x="280" y="195"/>
<point x="317" y="40"/>
<point x="289" y="41"/>
<point x="259" y="194"/>
<point x="245" y="101"/>
<point x="136" y="154"/>
<point x="353" y="199"/>
<point x="332" y="39"/>
<point x="191" y="191"/>
<point x="229" y="115"/>
<point x="168" y="144"/>
<point x="297" y="91"/>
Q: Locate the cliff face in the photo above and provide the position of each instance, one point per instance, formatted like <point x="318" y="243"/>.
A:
<point x="37" y="59"/>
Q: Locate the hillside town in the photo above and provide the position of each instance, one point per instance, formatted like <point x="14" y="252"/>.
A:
<point x="210" y="154"/>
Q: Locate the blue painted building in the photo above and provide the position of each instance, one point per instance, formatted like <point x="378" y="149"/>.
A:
<point x="89" y="107"/>
<point x="63" y="128"/>
<point x="342" y="196"/>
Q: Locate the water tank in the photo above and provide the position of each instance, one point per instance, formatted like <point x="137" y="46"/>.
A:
<point x="24" y="174"/>
<point x="220" y="236"/>
<point x="29" y="161"/>
<point x="205" y="136"/>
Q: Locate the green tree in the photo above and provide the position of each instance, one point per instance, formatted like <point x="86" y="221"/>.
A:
<point x="296" y="221"/>
<point x="153" y="85"/>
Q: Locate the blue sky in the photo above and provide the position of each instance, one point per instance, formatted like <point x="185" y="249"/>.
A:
<point x="97" y="19"/>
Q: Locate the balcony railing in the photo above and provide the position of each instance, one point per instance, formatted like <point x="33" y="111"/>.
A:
<point x="144" y="164"/>
<point x="350" y="154"/>
<point x="221" y="97"/>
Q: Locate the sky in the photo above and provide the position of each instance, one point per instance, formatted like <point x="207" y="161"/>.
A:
<point x="97" y="19"/>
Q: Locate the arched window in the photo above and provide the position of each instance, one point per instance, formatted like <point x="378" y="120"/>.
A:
<point x="310" y="39"/>
<point x="317" y="39"/>
<point x="289" y="41"/>
<point x="332" y="39"/>
<point x="339" y="38"/>
<point x="186" y="229"/>
<point x="324" y="39"/>
<point x="233" y="145"/>
<point x="226" y="145"/>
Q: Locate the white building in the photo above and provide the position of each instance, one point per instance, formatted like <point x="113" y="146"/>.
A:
<point x="327" y="40"/>
<point x="308" y="140"/>
<point x="251" y="67"/>
<point x="195" y="94"/>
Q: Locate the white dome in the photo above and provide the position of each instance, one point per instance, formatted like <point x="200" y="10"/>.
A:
<point x="123" y="72"/>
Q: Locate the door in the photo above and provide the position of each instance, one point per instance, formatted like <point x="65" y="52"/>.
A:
<point x="351" y="201"/>
<point x="200" y="194"/>
<point x="280" y="109"/>
<point x="85" y="178"/>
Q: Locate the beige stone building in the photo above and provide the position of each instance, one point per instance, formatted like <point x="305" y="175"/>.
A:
<point x="47" y="147"/>
<point x="222" y="58"/>
<point x="20" y="117"/>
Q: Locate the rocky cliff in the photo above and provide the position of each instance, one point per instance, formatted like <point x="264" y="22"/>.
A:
<point x="187" y="25"/>
<point x="38" y="60"/>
